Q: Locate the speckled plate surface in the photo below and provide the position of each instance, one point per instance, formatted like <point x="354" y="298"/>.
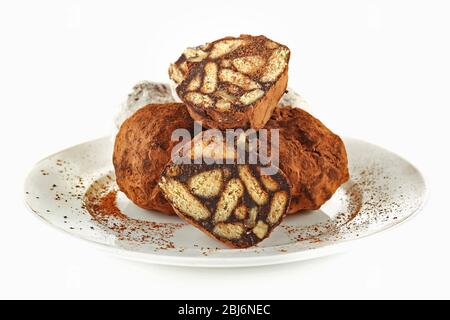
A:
<point x="74" y="191"/>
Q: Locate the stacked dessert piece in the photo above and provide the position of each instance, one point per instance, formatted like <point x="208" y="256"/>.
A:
<point x="232" y="82"/>
<point x="226" y="84"/>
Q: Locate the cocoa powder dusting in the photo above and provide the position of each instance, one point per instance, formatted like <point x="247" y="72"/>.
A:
<point x="100" y="202"/>
<point x="108" y="207"/>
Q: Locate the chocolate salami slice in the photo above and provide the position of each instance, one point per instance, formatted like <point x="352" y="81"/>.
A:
<point x="237" y="204"/>
<point x="232" y="82"/>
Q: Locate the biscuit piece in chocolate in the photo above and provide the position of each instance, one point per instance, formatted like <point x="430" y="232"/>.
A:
<point x="232" y="82"/>
<point x="143" y="148"/>
<point x="313" y="158"/>
<point x="236" y="204"/>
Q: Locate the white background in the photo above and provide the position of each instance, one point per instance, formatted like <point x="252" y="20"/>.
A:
<point x="375" y="70"/>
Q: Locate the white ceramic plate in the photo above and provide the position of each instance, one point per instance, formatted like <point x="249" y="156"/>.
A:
<point x="74" y="191"/>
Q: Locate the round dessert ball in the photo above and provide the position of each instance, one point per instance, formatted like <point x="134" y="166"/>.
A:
<point x="313" y="158"/>
<point x="143" y="148"/>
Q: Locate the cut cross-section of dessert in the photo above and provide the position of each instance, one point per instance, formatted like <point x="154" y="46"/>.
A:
<point x="232" y="82"/>
<point x="231" y="204"/>
<point x="237" y="204"/>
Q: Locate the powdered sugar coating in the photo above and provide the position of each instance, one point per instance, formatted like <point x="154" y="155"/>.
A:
<point x="142" y="94"/>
